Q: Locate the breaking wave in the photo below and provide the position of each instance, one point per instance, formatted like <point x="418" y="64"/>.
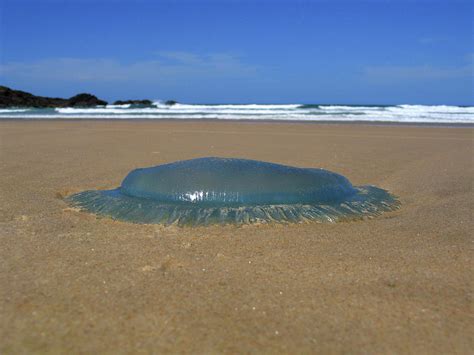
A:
<point x="283" y="112"/>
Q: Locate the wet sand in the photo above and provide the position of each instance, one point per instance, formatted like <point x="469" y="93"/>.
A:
<point x="75" y="283"/>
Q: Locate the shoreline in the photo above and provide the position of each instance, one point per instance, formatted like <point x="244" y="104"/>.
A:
<point x="249" y="121"/>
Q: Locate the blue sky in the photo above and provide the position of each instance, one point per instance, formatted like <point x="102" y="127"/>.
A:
<point x="392" y="52"/>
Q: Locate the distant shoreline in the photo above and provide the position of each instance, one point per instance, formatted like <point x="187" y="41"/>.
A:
<point x="244" y="121"/>
<point x="148" y="110"/>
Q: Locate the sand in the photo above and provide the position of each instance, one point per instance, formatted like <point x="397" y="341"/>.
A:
<point x="75" y="283"/>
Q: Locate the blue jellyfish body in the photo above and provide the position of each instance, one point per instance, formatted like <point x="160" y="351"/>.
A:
<point x="220" y="190"/>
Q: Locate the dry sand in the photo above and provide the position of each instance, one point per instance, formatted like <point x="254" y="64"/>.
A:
<point x="74" y="283"/>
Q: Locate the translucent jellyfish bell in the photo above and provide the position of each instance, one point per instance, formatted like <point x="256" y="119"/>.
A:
<point x="220" y="190"/>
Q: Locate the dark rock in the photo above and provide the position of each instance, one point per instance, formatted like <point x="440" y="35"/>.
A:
<point x="171" y="102"/>
<point x="85" y="100"/>
<point x="134" y="102"/>
<point x="17" y="98"/>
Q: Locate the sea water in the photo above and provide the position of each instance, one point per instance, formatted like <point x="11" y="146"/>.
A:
<point x="279" y="112"/>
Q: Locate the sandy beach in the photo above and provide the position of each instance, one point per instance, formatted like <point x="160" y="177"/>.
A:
<point x="75" y="283"/>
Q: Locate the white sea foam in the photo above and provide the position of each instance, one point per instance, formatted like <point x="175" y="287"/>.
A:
<point x="294" y="112"/>
<point x="179" y="106"/>
<point x="118" y="106"/>
<point x="9" y="110"/>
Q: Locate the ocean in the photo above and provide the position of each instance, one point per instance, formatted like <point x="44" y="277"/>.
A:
<point x="279" y="112"/>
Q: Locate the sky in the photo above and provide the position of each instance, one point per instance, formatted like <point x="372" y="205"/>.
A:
<point x="229" y="51"/>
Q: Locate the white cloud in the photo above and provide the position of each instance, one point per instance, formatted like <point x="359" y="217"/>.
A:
<point x="167" y="67"/>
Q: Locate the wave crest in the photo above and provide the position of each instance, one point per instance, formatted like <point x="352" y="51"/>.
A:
<point x="290" y="112"/>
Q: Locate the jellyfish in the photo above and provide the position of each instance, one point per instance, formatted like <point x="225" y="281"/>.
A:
<point x="212" y="190"/>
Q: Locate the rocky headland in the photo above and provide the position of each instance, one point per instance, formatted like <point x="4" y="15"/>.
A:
<point x="17" y="98"/>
